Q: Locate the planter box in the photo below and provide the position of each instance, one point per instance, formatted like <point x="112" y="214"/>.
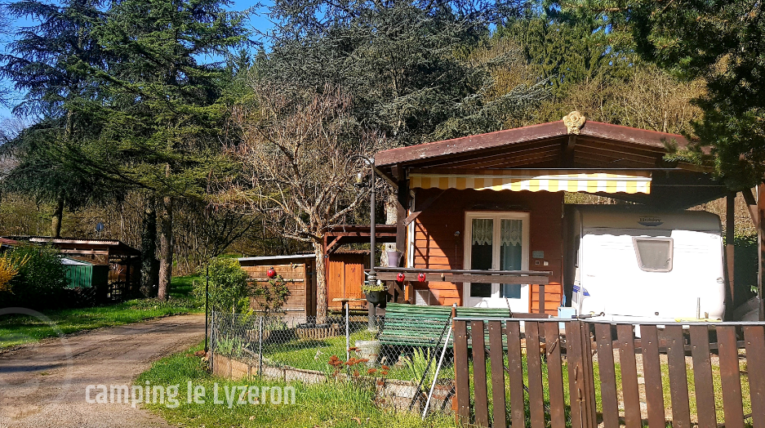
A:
<point x="239" y="370"/>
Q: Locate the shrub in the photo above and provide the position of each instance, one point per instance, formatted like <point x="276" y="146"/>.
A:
<point x="228" y="289"/>
<point x="40" y="281"/>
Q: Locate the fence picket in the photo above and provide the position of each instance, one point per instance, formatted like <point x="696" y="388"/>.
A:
<point x="576" y="374"/>
<point x="652" y="372"/>
<point x="515" y="372"/>
<point x="678" y="380"/>
<point x="479" y="374"/>
<point x="607" y="376"/>
<point x="730" y="377"/>
<point x="497" y="375"/>
<point x="630" y="389"/>
<point x="534" y="367"/>
<point x="702" y="377"/>
<point x="755" y="365"/>
<point x="462" y="371"/>
<point x="554" y="375"/>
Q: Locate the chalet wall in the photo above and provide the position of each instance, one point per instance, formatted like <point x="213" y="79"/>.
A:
<point x="437" y="247"/>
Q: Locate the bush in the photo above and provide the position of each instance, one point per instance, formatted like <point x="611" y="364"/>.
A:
<point x="228" y="289"/>
<point x="41" y="279"/>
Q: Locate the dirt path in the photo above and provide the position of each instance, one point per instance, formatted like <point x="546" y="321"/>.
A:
<point x="43" y="385"/>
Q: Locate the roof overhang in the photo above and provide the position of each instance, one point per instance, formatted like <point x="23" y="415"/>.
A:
<point x="611" y="156"/>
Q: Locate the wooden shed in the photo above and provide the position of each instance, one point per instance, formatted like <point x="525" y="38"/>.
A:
<point x="119" y="259"/>
<point x="298" y="271"/>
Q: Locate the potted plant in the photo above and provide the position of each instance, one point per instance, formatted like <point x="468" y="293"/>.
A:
<point x="375" y="293"/>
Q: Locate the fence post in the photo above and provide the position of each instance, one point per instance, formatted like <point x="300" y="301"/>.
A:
<point x="461" y="371"/>
<point x="260" y="346"/>
<point x="581" y="379"/>
<point x="212" y="340"/>
<point x="347" y="333"/>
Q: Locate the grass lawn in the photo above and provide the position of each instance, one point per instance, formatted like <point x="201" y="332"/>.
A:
<point x="322" y="405"/>
<point x="17" y="330"/>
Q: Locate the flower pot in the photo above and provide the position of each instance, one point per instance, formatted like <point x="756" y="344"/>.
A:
<point x="369" y="349"/>
<point x="375" y="297"/>
<point x="393" y="258"/>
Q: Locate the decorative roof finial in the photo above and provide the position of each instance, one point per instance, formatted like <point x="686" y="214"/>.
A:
<point x="574" y="122"/>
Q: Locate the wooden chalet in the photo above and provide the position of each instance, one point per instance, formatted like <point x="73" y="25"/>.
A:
<point x="483" y="216"/>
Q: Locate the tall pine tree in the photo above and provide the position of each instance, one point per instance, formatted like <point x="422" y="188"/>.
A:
<point x="50" y="64"/>
<point x="165" y="109"/>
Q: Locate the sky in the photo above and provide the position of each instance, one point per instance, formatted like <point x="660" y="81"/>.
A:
<point x="258" y="20"/>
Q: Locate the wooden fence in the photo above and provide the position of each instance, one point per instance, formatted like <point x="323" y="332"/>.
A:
<point x="613" y="377"/>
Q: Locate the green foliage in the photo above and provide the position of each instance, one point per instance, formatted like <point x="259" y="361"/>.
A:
<point x="228" y="289"/>
<point x="271" y="295"/>
<point x="40" y="282"/>
<point x="17" y="330"/>
<point x="373" y="287"/>
<point x="417" y="364"/>
<point x="229" y="346"/>
<point x="402" y="63"/>
<point x="336" y="404"/>
<point x="718" y="41"/>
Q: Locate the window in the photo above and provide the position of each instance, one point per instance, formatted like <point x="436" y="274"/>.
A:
<point x="654" y="254"/>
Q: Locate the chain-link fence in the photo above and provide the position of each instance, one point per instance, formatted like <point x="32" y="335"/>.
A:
<point x="402" y="358"/>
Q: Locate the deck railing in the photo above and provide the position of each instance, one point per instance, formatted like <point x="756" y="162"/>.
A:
<point x="390" y="274"/>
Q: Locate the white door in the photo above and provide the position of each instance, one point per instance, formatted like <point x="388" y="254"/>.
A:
<point x="497" y="241"/>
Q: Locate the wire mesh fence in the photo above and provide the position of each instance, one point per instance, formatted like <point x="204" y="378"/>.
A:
<point x="404" y="362"/>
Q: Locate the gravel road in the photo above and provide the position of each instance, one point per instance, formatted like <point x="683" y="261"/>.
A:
<point x="43" y="385"/>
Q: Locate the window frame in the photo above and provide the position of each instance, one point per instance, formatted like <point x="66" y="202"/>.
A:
<point x="654" y="238"/>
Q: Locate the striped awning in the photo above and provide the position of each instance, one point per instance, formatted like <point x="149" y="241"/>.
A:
<point x="538" y="180"/>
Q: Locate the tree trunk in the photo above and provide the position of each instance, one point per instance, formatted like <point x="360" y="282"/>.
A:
<point x="58" y="214"/>
<point x="149" y="271"/>
<point x="321" y="283"/>
<point x="165" y="248"/>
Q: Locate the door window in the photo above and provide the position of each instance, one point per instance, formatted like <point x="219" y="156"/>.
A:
<point x="497" y="241"/>
<point x="511" y="254"/>
<point x="482" y="252"/>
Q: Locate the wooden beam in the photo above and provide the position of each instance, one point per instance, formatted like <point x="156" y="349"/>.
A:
<point x="730" y="225"/>
<point x="402" y="204"/>
<point x="568" y="151"/>
<point x="329" y="249"/>
<point x="454" y="278"/>
<point x="425" y="205"/>
<point x="761" y="246"/>
<point x="751" y="204"/>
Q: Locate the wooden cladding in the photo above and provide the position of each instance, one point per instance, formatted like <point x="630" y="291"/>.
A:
<point x="599" y="374"/>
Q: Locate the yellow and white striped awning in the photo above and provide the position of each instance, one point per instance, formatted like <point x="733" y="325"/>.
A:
<point x="538" y="180"/>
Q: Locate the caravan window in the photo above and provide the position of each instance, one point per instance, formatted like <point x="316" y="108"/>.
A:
<point x="654" y="254"/>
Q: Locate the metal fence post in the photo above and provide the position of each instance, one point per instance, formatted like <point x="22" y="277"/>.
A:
<point x="212" y="337"/>
<point x="347" y="333"/>
<point x="260" y="347"/>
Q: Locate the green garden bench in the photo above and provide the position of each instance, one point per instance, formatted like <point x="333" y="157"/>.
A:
<point x="421" y="326"/>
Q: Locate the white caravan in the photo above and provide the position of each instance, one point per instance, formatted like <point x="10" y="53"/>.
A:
<point x="635" y="264"/>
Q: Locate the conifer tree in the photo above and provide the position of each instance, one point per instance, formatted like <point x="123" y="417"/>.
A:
<point x="49" y="63"/>
<point x="165" y="101"/>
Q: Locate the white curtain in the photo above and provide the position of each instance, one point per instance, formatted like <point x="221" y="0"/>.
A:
<point x="483" y="231"/>
<point x="512" y="232"/>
